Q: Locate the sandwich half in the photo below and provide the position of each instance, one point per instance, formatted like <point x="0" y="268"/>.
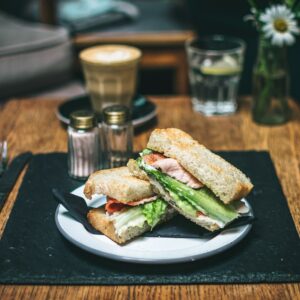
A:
<point x="131" y="209"/>
<point x="199" y="184"/>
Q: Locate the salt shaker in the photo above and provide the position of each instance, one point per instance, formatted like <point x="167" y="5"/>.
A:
<point x="83" y="145"/>
<point x="118" y="134"/>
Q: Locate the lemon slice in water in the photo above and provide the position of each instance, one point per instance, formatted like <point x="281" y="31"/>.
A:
<point x="225" y="66"/>
<point x="219" y="71"/>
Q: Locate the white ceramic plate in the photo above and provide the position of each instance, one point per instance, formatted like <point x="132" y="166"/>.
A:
<point x="146" y="250"/>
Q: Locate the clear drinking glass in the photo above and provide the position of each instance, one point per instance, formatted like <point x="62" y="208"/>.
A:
<point x="215" y="65"/>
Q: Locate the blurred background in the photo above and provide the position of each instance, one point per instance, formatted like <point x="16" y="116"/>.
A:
<point x="45" y="37"/>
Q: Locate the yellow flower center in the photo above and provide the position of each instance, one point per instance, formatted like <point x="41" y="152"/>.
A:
<point x="280" y="25"/>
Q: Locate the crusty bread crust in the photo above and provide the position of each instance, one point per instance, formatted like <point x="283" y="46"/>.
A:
<point x="135" y="170"/>
<point x="119" y="184"/>
<point x="103" y="223"/>
<point x="223" y="179"/>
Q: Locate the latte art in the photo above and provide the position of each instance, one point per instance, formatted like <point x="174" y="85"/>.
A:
<point x="117" y="55"/>
<point x="111" y="54"/>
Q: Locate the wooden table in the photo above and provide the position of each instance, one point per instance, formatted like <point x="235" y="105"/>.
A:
<point x="32" y="125"/>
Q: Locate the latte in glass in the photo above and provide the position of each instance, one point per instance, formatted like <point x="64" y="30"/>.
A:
<point x="110" y="72"/>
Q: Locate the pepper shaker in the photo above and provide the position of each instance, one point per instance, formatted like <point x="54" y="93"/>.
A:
<point x="83" y="145"/>
<point x="118" y="135"/>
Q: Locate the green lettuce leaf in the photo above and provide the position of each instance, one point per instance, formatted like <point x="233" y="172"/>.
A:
<point x="128" y="215"/>
<point x="146" y="152"/>
<point x="153" y="211"/>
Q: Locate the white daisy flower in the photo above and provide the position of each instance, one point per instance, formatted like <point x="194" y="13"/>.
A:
<point x="279" y="25"/>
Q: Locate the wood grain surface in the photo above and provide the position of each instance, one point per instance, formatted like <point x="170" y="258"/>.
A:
<point x="140" y="39"/>
<point x="32" y="125"/>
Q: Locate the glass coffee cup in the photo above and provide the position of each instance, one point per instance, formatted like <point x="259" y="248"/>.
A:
<point x="110" y="72"/>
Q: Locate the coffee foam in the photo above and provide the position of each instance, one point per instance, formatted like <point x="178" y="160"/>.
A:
<point x="110" y="54"/>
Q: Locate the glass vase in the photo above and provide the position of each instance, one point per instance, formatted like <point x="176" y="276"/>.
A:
<point x="270" y="85"/>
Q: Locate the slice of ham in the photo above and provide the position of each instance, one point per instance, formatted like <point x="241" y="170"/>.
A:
<point x="200" y="213"/>
<point x="112" y="205"/>
<point x="143" y="201"/>
<point x="150" y="159"/>
<point x="171" y="167"/>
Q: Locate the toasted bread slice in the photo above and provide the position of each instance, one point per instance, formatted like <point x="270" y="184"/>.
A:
<point x="106" y="224"/>
<point x="223" y="179"/>
<point x="117" y="183"/>
<point x="135" y="170"/>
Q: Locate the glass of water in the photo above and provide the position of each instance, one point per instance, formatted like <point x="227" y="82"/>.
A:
<point x="215" y="65"/>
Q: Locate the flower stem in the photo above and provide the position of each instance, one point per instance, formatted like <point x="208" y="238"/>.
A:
<point x="270" y="83"/>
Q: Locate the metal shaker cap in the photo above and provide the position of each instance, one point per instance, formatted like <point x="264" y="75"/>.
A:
<point x="83" y="119"/>
<point x="116" y="115"/>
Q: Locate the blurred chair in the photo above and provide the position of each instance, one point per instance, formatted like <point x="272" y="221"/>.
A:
<point x="159" y="31"/>
<point x="32" y="56"/>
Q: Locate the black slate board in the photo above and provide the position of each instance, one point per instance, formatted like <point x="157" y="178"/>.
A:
<point x="32" y="251"/>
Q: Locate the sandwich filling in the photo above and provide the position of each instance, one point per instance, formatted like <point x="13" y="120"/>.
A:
<point x="172" y="168"/>
<point x="187" y="192"/>
<point x="136" y="213"/>
<point x="112" y="205"/>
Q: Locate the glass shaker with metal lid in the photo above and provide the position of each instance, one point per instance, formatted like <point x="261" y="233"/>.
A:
<point x="83" y="145"/>
<point x="118" y="134"/>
